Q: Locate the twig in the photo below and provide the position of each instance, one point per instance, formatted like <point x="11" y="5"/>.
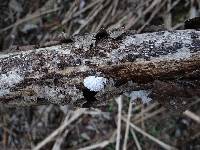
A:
<point x="115" y="7"/>
<point x="146" y="110"/>
<point x="150" y="115"/>
<point x="30" y="17"/>
<point x="97" y="10"/>
<point x="60" y="140"/>
<point x="98" y="145"/>
<point x="72" y="14"/>
<point x="133" y="20"/>
<point x="177" y="26"/>
<point x="127" y="126"/>
<point x="162" y="144"/>
<point x="168" y="16"/>
<point x="142" y="118"/>
<point x="118" y="24"/>
<point x="192" y="115"/>
<point x="119" y="102"/>
<point x="152" y="16"/>
<point x="194" y="12"/>
<point x="136" y="139"/>
<point x="101" y="144"/>
<point x="69" y="13"/>
<point x="153" y="4"/>
<point x="103" y="18"/>
<point x="173" y="5"/>
<point x="59" y="130"/>
<point x="87" y="7"/>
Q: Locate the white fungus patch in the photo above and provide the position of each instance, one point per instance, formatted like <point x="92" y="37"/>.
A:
<point x="141" y="94"/>
<point x="58" y="48"/>
<point x="85" y="41"/>
<point x="182" y="53"/>
<point x="167" y="36"/>
<point x="52" y="92"/>
<point x="155" y="40"/>
<point x="8" y="80"/>
<point x="55" y="94"/>
<point x="83" y="68"/>
<point x="94" y="83"/>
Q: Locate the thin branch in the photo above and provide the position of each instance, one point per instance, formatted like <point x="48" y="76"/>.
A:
<point x="101" y="144"/>
<point x="136" y="140"/>
<point x="162" y="144"/>
<point x="127" y="126"/>
<point x="119" y="102"/>
<point x="192" y="115"/>
<point x="59" y="130"/>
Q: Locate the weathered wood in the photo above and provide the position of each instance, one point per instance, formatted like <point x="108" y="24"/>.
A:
<point x="55" y="73"/>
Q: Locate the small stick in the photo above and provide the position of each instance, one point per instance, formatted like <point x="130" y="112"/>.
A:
<point x="136" y="139"/>
<point x="150" y="115"/>
<point x="152" y="16"/>
<point x="162" y="144"/>
<point x="115" y="7"/>
<point x="30" y="17"/>
<point x="127" y="126"/>
<point x="146" y="110"/>
<point x="59" y="130"/>
<point x="192" y="115"/>
<point x="98" y="9"/>
<point x="103" y="18"/>
<point x="119" y="102"/>
<point x="101" y="144"/>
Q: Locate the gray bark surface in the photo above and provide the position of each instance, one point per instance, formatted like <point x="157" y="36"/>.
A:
<point x="128" y="61"/>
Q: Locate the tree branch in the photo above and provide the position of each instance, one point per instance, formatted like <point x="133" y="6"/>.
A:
<point x="55" y="73"/>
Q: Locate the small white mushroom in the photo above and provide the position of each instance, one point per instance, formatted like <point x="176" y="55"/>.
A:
<point x="94" y="83"/>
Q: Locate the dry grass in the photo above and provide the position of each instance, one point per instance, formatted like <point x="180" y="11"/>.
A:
<point x="54" y="127"/>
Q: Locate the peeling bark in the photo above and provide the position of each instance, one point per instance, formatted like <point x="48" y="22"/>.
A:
<point x="128" y="61"/>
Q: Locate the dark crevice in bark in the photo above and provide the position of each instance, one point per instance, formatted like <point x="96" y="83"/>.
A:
<point x="89" y="97"/>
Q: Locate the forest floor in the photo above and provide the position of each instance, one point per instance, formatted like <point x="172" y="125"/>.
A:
<point x="151" y="126"/>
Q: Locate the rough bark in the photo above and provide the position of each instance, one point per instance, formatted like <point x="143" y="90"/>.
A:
<point x="128" y="61"/>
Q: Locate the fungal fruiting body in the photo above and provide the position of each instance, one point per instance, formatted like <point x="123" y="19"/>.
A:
<point x="141" y="94"/>
<point x="94" y="83"/>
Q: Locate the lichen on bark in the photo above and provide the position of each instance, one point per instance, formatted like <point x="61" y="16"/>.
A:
<point x="55" y="74"/>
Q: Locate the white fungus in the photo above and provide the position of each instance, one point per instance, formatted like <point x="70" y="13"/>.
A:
<point x="8" y="80"/>
<point x="94" y="83"/>
<point x="142" y="94"/>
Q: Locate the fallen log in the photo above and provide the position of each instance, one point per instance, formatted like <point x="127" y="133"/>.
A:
<point x="92" y="68"/>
